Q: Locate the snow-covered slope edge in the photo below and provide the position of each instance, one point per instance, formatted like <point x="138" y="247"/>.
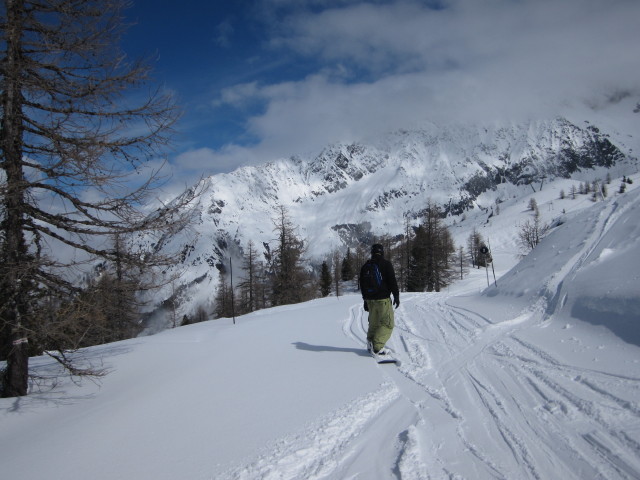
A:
<point x="588" y="268"/>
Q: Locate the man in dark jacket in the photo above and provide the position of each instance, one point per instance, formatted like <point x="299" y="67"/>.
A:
<point x="378" y="304"/>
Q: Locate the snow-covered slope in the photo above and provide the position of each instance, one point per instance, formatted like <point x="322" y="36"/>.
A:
<point x="537" y="378"/>
<point x="347" y="193"/>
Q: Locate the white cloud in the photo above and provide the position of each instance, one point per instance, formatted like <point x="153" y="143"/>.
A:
<point x="395" y="64"/>
<point x="371" y="37"/>
<point x="190" y="165"/>
<point x="238" y="95"/>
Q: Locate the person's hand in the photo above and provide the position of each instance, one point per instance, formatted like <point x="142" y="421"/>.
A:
<point x="396" y="302"/>
<point x="366" y="307"/>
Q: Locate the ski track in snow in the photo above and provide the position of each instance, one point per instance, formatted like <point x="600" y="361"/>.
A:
<point x="324" y="447"/>
<point x="479" y="373"/>
<point x="494" y="405"/>
<point x="472" y="399"/>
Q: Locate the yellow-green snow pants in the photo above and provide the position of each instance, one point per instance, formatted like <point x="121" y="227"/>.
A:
<point x="380" y="322"/>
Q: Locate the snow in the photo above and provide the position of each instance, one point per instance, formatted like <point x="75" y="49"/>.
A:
<point x="537" y="377"/>
<point x="373" y="185"/>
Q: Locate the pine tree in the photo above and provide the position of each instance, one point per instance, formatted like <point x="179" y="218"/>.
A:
<point x="460" y="261"/>
<point x="337" y="277"/>
<point x="431" y="267"/>
<point x="445" y="266"/>
<point x="248" y="286"/>
<point x="573" y="192"/>
<point x="223" y="303"/>
<point x="104" y="312"/>
<point x="417" y="275"/>
<point x="290" y="281"/>
<point x="262" y="287"/>
<point x="325" y="280"/>
<point x="200" y="315"/>
<point x="126" y="283"/>
<point x="347" y="271"/>
<point x="66" y="121"/>
<point x="405" y="255"/>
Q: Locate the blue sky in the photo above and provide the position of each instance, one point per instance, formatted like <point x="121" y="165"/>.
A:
<point x="264" y="79"/>
<point x="197" y="48"/>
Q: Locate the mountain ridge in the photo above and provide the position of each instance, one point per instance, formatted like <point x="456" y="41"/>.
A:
<point x="351" y="191"/>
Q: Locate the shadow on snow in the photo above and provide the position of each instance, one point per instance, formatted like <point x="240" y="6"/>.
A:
<point x="325" y="348"/>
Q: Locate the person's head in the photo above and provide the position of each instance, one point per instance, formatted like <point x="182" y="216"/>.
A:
<point x="377" y="250"/>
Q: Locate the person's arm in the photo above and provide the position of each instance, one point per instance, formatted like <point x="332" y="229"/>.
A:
<point x="393" y="284"/>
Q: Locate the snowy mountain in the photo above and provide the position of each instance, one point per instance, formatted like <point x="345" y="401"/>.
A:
<point x="535" y="377"/>
<point x="349" y="192"/>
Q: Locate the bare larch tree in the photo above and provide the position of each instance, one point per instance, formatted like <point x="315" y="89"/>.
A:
<point x="77" y="130"/>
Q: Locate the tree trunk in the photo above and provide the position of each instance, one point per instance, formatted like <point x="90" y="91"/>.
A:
<point x="14" y="256"/>
<point x="17" y="376"/>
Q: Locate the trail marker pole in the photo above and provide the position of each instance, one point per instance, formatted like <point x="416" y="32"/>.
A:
<point x="233" y="307"/>
<point x="495" y="282"/>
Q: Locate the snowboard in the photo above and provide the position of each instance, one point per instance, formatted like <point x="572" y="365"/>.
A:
<point x="388" y="358"/>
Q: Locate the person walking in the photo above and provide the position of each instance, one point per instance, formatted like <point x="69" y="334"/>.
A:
<point x="377" y="283"/>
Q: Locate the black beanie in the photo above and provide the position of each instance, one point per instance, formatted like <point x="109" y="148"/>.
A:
<point x="377" y="249"/>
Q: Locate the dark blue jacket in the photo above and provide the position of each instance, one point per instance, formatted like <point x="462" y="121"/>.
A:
<point x="389" y="283"/>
